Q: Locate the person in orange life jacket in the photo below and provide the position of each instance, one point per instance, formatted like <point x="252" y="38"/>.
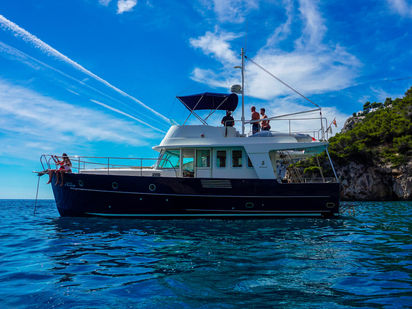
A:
<point x="264" y="123"/>
<point x="255" y="116"/>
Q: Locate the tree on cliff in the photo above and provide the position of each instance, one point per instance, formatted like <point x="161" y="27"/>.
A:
<point x="384" y="135"/>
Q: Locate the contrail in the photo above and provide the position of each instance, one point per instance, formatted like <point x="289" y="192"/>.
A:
<point x="125" y="114"/>
<point x="23" y="57"/>
<point x="44" y="47"/>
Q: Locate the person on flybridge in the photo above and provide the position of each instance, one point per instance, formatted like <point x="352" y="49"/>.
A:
<point x="265" y="123"/>
<point x="228" y="120"/>
<point x="255" y="116"/>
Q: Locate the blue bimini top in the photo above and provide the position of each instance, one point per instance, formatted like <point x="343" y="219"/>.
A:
<point x="208" y="100"/>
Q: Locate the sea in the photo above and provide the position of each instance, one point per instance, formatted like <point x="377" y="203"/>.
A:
<point x="363" y="259"/>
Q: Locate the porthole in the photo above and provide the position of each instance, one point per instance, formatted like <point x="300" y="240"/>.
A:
<point x="115" y="185"/>
<point x="152" y="187"/>
<point x="330" y="205"/>
<point x="249" y="205"/>
<point x="81" y="183"/>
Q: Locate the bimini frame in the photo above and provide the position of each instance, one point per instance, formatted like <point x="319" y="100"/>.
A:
<point x="192" y="109"/>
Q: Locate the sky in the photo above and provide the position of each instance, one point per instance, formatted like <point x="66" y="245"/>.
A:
<point x="100" y="77"/>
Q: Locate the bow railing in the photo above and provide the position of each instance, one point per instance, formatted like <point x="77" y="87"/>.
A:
<point x="83" y="164"/>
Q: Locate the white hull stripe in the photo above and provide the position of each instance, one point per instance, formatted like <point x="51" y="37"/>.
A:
<point x="204" y="215"/>
<point x="204" y="195"/>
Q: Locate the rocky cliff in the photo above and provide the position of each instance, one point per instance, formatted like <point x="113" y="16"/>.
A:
<point x="375" y="182"/>
<point x="373" y="152"/>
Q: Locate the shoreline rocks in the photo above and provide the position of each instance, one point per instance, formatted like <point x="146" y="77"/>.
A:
<point x="367" y="183"/>
<point x="375" y="181"/>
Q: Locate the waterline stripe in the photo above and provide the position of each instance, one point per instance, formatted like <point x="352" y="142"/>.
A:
<point x="204" y="215"/>
<point x="255" y="211"/>
<point x="204" y="195"/>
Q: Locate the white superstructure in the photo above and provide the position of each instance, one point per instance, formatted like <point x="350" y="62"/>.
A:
<point x="221" y="152"/>
<point x="203" y="151"/>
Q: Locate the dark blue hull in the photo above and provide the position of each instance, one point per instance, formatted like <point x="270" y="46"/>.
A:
<point x="164" y="197"/>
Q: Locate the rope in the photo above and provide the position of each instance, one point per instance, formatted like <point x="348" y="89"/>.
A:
<point x="281" y="81"/>
<point x="37" y="194"/>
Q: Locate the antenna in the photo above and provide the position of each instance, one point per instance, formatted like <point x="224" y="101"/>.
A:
<point x="243" y="91"/>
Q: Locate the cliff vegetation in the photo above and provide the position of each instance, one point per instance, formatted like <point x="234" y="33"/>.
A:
<point x="382" y="133"/>
<point x="372" y="154"/>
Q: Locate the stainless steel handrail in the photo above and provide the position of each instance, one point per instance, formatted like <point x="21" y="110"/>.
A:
<point x="46" y="158"/>
<point x="317" y="133"/>
<point x="289" y="120"/>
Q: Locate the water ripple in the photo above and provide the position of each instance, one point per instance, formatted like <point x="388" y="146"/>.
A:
<point x="360" y="260"/>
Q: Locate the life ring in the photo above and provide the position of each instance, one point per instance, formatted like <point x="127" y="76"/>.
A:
<point x="152" y="187"/>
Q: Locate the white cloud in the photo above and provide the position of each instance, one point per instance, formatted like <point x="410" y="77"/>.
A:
<point x="380" y="95"/>
<point x="312" y="66"/>
<point x="105" y="2"/>
<point x="209" y="77"/>
<point x="217" y="45"/>
<point x="125" y="5"/>
<point x="233" y="11"/>
<point x="30" y="118"/>
<point x="401" y="7"/>
<point x="309" y="72"/>
<point x="283" y="30"/>
<point x="314" y="28"/>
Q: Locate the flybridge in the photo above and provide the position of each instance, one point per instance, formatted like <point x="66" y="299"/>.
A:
<point x="221" y="101"/>
<point x="229" y="102"/>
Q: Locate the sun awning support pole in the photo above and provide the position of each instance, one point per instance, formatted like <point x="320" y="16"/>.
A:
<point x="211" y="113"/>
<point x="192" y="111"/>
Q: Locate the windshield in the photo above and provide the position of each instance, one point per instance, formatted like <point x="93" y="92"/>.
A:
<point x="170" y="159"/>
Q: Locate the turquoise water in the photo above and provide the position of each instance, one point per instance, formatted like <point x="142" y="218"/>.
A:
<point x="361" y="260"/>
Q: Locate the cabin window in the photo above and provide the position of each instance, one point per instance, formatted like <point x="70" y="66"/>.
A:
<point x="203" y="158"/>
<point x="249" y="163"/>
<point x="188" y="158"/>
<point x="221" y="158"/>
<point x="170" y="159"/>
<point x="237" y="158"/>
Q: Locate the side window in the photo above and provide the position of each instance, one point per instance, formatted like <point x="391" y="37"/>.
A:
<point x="203" y="158"/>
<point x="249" y="163"/>
<point x="237" y="158"/>
<point x="221" y="158"/>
